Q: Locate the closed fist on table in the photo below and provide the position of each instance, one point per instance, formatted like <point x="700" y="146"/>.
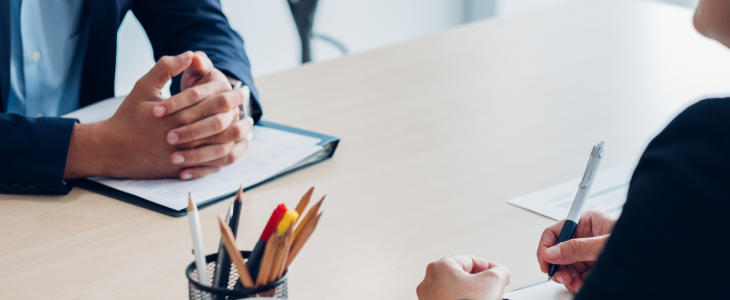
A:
<point x="463" y="277"/>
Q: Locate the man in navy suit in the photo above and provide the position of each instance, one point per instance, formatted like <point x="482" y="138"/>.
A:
<point x="57" y="56"/>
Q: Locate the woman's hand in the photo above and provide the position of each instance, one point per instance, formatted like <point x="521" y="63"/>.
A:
<point x="576" y="256"/>
<point x="463" y="277"/>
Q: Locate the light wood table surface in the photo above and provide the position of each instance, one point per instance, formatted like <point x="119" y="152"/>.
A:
<point x="437" y="134"/>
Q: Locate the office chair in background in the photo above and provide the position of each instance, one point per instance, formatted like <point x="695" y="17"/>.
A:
<point x="303" y="12"/>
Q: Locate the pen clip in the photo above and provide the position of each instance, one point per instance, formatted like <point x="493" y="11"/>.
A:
<point x="596" y="153"/>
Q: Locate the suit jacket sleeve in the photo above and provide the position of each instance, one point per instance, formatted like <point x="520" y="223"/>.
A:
<point x="671" y="241"/>
<point x="33" y="154"/>
<point x="176" y="26"/>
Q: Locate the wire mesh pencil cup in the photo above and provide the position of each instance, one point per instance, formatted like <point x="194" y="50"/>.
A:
<point x="276" y="289"/>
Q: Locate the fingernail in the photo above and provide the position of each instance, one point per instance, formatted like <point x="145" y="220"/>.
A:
<point x="249" y="136"/>
<point x="553" y="252"/>
<point x="185" y="55"/>
<point x="158" y="111"/>
<point x="178" y="159"/>
<point x="172" y="137"/>
<point x="559" y="278"/>
<point x="187" y="176"/>
<point x="577" y="289"/>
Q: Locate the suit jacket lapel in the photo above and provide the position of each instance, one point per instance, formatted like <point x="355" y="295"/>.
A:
<point x="4" y="53"/>
<point x="97" y="79"/>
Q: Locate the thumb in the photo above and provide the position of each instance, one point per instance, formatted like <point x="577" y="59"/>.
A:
<point x="575" y="250"/>
<point x="200" y="66"/>
<point x="198" y="71"/>
<point x="166" y="68"/>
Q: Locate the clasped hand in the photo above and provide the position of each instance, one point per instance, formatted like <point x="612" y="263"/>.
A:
<point x="188" y="135"/>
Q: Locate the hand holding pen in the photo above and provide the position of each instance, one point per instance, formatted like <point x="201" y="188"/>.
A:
<point x="552" y="243"/>
<point x="575" y="256"/>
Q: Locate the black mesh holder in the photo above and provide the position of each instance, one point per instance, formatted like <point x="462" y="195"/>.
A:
<point x="276" y="289"/>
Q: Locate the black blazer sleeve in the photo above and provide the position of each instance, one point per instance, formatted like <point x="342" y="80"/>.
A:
<point x="672" y="240"/>
<point x="176" y="26"/>
<point x="33" y="154"/>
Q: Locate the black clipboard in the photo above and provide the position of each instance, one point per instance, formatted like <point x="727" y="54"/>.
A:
<point x="328" y="143"/>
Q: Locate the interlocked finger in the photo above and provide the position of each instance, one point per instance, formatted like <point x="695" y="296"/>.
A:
<point x="197" y="172"/>
<point x="234" y="133"/>
<point x="238" y="149"/>
<point x="201" y="155"/>
<point x="189" y="97"/>
<point x="202" y="129"/>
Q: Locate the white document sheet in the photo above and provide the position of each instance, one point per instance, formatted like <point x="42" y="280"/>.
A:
<point x="271" y="152"/>
<point x="608" y="195"/>
<point x="547" y="290"/>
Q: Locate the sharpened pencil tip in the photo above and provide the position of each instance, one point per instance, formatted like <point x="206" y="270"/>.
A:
<point x="239" y="194"/>
<point x="191" y="204"/>
<point x="550" y="277"/>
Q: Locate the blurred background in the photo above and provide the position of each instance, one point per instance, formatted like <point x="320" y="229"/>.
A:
<point x="272" y="41"/>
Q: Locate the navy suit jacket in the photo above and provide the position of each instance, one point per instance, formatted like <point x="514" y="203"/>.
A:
<point x="671" y="239"/>
<point x="33" y="150"/>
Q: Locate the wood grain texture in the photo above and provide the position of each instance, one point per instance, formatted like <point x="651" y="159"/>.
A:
<point x="437" y="134"/>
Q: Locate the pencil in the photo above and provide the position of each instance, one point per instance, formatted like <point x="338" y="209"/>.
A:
<point x="197" y="234"/>
<point x="265" y="266"/>
<point x="311" y="213"/>
<point x="230" y="242"/>
<point x="288" y="237"/>
<point x="223" y="264"/>
<point x="304" y="202"/>
<point x="254" y="260"/>
<point x="272" y="274"/>
<point x="233" y="224"/>
<point x="278" y="255"/>
<point x="299" y="241"/>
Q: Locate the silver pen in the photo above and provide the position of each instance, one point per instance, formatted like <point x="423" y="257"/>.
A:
<point x="571" y="222"/>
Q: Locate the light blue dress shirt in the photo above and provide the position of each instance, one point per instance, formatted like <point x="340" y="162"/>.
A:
<point x="48" y="43"/>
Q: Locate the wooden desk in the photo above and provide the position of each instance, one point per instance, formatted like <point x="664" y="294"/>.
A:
<point x="437" y="134"/>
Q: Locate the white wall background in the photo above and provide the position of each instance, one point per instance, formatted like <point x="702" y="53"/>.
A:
<point x="272" y="42"/>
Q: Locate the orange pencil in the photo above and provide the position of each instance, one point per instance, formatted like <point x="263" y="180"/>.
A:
<point x="299" y="241"/>
<point x="230" y="243"/>
<point x="278" y="256"/>
<point x="310" y="214"/>
<point x="304" y="202"/>
<point x="266" y="261"/>
<point x="288" y="238"/>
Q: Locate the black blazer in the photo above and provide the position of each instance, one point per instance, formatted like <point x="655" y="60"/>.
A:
<point x="33" y="150"/>
<point x="672" y="240"/>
